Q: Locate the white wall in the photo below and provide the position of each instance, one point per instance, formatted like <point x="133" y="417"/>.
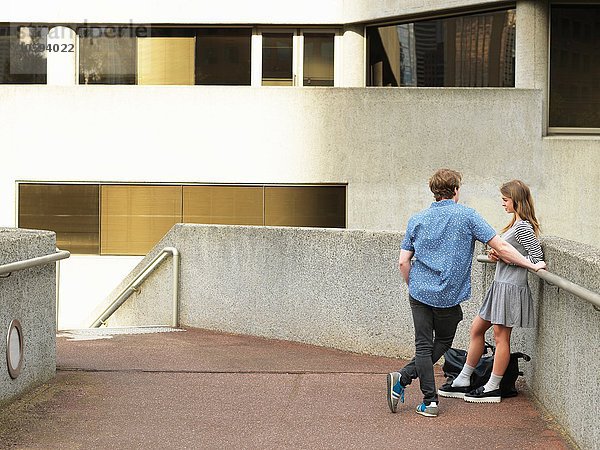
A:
<point x="84" y="282"/>
<point x="314" y="12"/>
<point x="383" y="142"/>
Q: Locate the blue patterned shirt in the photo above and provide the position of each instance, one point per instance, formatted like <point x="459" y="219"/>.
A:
<point x="442" y="238"/>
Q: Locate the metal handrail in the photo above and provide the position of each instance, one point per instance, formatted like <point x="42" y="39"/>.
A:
<point x="561" y="283"/>
<point x="7" y="269"/>
<point x="139" y="279"/>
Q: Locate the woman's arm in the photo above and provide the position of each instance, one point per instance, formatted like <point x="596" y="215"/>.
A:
<point x="509" y="254"/>
<point x="526" y="237"/>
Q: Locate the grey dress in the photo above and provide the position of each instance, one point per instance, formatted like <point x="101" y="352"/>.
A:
<point x="508" y="300"/>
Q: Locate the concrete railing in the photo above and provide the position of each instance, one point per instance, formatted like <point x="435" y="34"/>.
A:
<point x="27" y="297"/>
<point x="342" y="289"/>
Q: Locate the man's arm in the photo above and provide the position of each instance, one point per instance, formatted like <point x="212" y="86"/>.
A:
<point x="509" y="254"/>
<point x="404" y="263"/>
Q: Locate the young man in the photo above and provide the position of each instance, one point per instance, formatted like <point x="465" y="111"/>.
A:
<point x="442" y="240"/>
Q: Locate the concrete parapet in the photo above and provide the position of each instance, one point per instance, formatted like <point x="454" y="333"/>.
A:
<point x="342" y="289"/>
<point x="30" y="297"/>
<point x="566" y="364"/>
<point x="335" y="288"/>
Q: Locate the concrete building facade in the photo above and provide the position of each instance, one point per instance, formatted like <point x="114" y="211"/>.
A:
<point x="517" y="99"/>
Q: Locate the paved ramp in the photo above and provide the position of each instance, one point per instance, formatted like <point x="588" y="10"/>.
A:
<point x="199" y="389"/>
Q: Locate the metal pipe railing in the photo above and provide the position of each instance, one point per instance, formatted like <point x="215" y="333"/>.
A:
<point x="559" y="282"/>
<point x="7" y="269"/>
<point x="139" y="279"/>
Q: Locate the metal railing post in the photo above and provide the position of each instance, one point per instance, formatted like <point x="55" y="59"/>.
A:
<point x="7" y="269"/>
<point x="138" y="280"/>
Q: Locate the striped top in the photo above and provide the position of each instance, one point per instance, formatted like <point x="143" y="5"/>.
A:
<point x="525" y="236"/>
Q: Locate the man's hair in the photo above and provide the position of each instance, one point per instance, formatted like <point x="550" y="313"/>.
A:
<point x="444" y="182"/>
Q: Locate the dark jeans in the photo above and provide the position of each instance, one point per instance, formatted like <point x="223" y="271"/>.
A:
<point x="434" y="332"/>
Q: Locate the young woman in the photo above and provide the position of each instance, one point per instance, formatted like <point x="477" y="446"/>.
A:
<point x="508" y="301"/>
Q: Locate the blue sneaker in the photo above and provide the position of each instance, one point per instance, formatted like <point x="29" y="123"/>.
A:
<point x="430" y="410"/>
<point x="395" y="390"/>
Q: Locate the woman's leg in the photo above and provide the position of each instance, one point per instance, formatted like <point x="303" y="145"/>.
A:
<point x="476" y="348"/>
<point x="477" y="342"/>
<point x="502" y="355"/>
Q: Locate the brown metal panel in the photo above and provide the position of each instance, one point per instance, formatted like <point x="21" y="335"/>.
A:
<point x="70" y="210"/>
<point x="305" y="206"/>
<point x="228" y="205"/>
<point x="166" y="60"/>
<point x="134" y="218"/>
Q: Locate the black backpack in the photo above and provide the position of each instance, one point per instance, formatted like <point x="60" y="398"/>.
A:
<point x="455" y="360"/>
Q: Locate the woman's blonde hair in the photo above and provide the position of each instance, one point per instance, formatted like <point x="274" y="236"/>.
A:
<point x="522" y="200"/>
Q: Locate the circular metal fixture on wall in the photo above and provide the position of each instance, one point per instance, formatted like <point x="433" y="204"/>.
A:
<point x="14" y="349"/>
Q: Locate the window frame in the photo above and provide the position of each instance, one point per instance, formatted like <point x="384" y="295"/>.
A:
<point x="297" y="53"/>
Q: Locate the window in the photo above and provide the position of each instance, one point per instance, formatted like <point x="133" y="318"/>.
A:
<point x="129" y="219"/>
<point x="135" y="217"/>
<point x="468" y="51"/>
<point x="227" y="205"/>
<point x="305" y="206"/>
<point x="23" y="54"/>
<point x="165" y="60"/>
<point x="223" y="56"/>
<point x="303" y="57"/>
<point x="70" y="210"/>
<point x="162" y="55"/>
<point x="318" y="59"/>
<point x="277" y="54"/>
<point x="575" y="67"/>
<point x="106" y="56"/>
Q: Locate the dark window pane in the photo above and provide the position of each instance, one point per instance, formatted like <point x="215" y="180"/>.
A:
<point x="467" y="51"/>
<point x="277" y="59"/>
<point x="305" y="206"/>
<point x="575" y="66"/>
<point x="23" y="55"/>
<point x="70" y="210"/>
<point x="318" y="59"/>
<point x="223" y="56"/>
<point x="107" y="55"/>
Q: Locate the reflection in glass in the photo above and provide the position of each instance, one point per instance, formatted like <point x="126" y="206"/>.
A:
<point x="223" y="56"/>
<point x="318" y="59"/>
<point x="226" y="205"/>
<point x="277" y="59"/>
<point x="70" y="210"/>
<point x="23" y="55"/>
<point x="469" y="51"/>
<point x="106" y="56"/>
<point x="575" y="66"/>
<point x="305" y="206"/>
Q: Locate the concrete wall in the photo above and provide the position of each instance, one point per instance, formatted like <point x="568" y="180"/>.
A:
<point x="30" y="297"/>
<point x="336" y="288"/>
<point x="342" y="289"/>
<point x="383" y="142"/>
<point x="565" y="371"/>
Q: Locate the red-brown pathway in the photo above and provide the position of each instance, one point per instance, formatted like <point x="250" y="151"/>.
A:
<point x="200" y="389"/>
